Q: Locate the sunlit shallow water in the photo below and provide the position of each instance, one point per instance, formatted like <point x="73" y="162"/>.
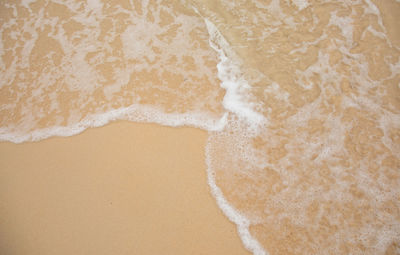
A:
<point x="301" y="100"/>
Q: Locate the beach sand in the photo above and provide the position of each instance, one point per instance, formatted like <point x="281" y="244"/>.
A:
<point x="125" y="188"/>
<point x="129" y="188"/>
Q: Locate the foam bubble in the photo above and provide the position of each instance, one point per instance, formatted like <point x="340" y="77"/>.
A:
<point x="135" y="113"/>
<point x="231" y="79"/>
<point x="325" y="158"/>
<point x="301" y="4"/>
<point x="93" y="64"/>
<point x="233" y="215"/>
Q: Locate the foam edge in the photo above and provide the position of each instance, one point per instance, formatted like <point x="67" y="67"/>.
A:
<point x="135" y="113"/>
<point x="233" y="215"/>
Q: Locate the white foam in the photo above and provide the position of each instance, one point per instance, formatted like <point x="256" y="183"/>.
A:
<point x="345" y="24"/>
<point x="26" y="3"/>
<point x="137" y="44"/>
<point x="95" y="5"/>
<point x="79" y="73"/>
<point x="300" y="4"/>
<point x="231" y="79"/>
<point x="136" y="40"/>
<point x="233" y="215"/>
<point x="135" y="113"/>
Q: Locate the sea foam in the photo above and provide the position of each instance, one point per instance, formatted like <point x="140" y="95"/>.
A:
<point x="305" y="158"/>
<point x="232" y="79"/>
<point x="135" y="113"/>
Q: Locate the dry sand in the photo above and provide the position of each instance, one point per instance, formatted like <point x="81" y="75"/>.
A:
<point x="125" y="188"/>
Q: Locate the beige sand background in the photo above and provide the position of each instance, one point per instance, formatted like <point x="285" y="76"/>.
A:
<point x="125" y="188"/>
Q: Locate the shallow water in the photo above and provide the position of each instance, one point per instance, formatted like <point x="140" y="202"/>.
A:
<point x="301" y="100"/>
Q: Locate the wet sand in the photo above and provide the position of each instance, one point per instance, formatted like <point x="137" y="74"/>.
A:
<point x="141" y="189"/>
<point x="125" y="188"/>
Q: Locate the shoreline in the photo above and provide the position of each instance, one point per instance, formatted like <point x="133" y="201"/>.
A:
<point x="124" y="188"/>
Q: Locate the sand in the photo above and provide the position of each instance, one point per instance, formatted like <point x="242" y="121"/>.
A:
<point x="125" y="188"/>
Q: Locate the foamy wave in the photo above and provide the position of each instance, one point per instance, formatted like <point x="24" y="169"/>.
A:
<point x="316" y="174"/>
<point x="232" y="79"/>
<point x="234" y="215"/>
<point x="87" y="68"/>
<point x="135" y="113"/>
<point x="303" y="148"/>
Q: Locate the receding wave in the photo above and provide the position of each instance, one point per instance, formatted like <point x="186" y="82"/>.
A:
<point x="301" y="100"/>
<point x="67" y="63"/>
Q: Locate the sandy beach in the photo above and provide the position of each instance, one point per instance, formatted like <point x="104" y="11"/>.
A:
<point x="125" y="188"/>
<point x="295" y="115"/>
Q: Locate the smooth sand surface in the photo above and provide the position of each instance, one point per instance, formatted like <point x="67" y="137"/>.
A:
<point x="125" y="188"/>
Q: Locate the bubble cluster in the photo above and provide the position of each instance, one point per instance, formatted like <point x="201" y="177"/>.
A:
<point x="67" y="63"/>
<point x="319" y="176"/>
<point x="301" y="100"/>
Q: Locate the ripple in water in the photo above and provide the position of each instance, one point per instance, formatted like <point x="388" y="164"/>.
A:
<point x="301" y="100"/>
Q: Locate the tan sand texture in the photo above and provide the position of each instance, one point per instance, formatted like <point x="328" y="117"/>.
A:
<point x="304" y="96"/>
<point x="121" y="189"/>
